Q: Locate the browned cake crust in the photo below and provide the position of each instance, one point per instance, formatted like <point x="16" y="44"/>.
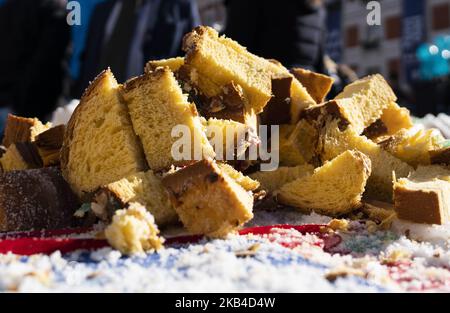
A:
<point x="35" y="200"/>
<point x="52" y="138"/>
<point x="321" y="113"/>
<point x="21" y="156"/>
<point x="419" y="206"/>
<point x="29" y="153"/>
<point x="207" y="200"/>
<point x="441" y="156"/>
<point x="318" y="85"/>
<point x="18" y="129"/>
<point x="229" y="103"/>
<point x="138" y="81"/>
<point x="376" y="130"/>
<point x="68" y="136"/>
<point x="278" y="110"/>
<point x="49" y="145"/>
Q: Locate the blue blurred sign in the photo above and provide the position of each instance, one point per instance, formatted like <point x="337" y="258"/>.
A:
<point x="414" y="33"/>
<point x="79" y="34"/>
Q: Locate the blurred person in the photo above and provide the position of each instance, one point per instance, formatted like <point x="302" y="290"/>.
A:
<point x="125" y="34"/>
<point x="35" y="39"/>
<point x="402" y="91"/>
<point x="341" y="73"/>
<point x="79" y="34"/>
<point x="292" y="32"/>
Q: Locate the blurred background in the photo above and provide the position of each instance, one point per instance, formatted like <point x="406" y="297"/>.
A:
<point x="51" y="49"/>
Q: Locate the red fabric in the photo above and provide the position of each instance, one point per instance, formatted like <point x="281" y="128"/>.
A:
<point x="47" y="242"/>
<point x="30" y="246"/>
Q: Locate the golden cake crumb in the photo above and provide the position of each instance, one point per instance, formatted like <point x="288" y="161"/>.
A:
<point x="134" y="231"/>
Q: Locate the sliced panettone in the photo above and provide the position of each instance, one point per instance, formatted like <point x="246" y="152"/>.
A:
<point x="173" y="63"/>
<point x="274" y="180"/>
<point x="333" y="142"/>
<point x="133" y="231"/>
<point x="100" y="146"/>
<point x="297" y="143"/>
<point x="225" y="102"/>
<point x="207" y="200"/>
<point x="21" y="156"/>
<point x="335" y="188"/>
<point x="223" y="60"/>
<point x="393" y="120"/>
<point x="157" y="105"/>
<point x="246" y="182"/>
<point x="413" y="146"/>
<point x="360" y="104"/>
<point x="396" y="118"/>
<point x="49" y="144"/>
<point x="145" y="188"/>
<point x="317" y="85"/>
<point x="289" y="153"/>
<point x="35" y="199"/>
<point x="377" y="131"/>
<point x="21" y="129"/>
<point x="424" y="197"/>
<point x="228" y="136"/>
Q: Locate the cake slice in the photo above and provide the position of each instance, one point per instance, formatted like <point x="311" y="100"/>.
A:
<point x="173" y="63"/>
<point x="21" y="129"/>
<point x="225" y="102"/>
<point x="207" y="200"/>
<point x="223" y="60"/>
<point x="413" y="147"/>
<point x="133" y="231"/>
<point x="297" y="143"/>
<point x="157" y="105"/>
<point x="35" y="199"/>
<point x="274" y="180"/>
<point x="21" y="156"/>
<point x="424" y="197"/>
<point x="244" y="181"/>
<point x="334" y="189"/>
<point x="228" y="135"/>
<point x="360" y="104"/>
<point x="145" y="188"/>
<point x="317" y="85"/>
<point x="49" y="144"/>
<point x="333" y="142"/>
<point x="100" y="146"/>
<point x="396" y="118"/>
<point x="393" y="120"/>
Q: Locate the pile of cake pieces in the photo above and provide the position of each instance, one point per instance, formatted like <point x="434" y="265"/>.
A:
<point x="356" y="156"/>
